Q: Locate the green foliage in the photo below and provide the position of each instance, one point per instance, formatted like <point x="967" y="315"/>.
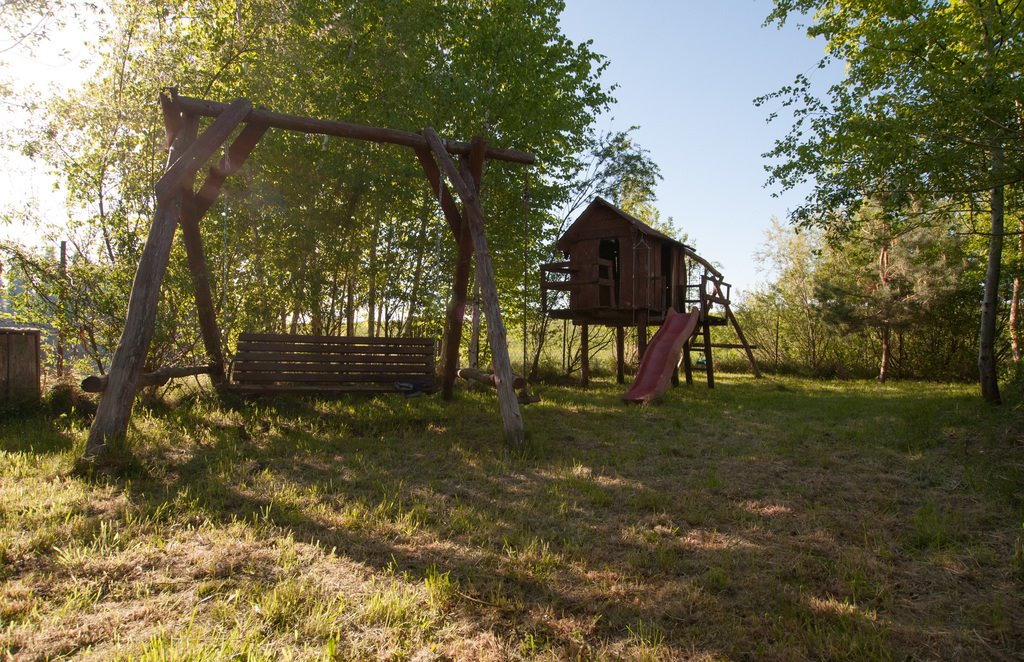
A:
<point x="928" y="111"/>
<point x="830" y="305"/>
<point x="314" y="230"/>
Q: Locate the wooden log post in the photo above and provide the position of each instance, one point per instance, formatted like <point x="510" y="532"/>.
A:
<point x="98" y="383"/>
<point x="194" y="207"/>
<point x="585" y="355"/>
<point x="688" y="361"/>
<point x="460" y="282"/>
<point x="705" y="316"/>
<point x="620" y="355"/>
<point x="508" y="403"/>
<point x="115" y="407"/>
<point x="488" y="378"/>
<point x="641" y="335"/>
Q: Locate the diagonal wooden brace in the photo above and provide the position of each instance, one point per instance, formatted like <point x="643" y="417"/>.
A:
<point x="185" y="167"/>
<point x="194" y="207"/>
<point x="508" y="403"/>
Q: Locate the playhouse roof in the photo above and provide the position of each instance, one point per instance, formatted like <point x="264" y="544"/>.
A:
<point x="599" y="205"/>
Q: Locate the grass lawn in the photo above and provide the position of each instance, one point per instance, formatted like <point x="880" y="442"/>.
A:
<point x="775" y="518"/>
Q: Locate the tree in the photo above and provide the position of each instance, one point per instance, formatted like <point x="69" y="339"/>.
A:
<point x="893" y="274"/>
<point x="784" y="319"/>
<point x="929" y="108"/>
<point x="291" y="240"/>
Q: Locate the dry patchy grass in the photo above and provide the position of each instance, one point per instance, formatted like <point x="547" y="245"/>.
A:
<point x="778" y="518"/>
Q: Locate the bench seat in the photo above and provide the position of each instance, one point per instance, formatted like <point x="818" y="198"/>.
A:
<point x="286" y="363"/>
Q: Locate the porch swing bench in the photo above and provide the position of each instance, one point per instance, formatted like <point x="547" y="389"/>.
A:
<point x="288" y="363"/>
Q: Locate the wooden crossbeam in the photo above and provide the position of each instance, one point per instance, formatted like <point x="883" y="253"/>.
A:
<point x="304" y="124"/>
<point x="188" y="163"/>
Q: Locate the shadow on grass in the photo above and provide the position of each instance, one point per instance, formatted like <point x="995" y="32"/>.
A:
<point x="36" y="432"/>
<point x="760" y="518"/>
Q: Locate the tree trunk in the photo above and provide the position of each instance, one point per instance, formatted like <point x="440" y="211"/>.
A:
<point x="417" y="273"/>
<point x="350" y="307"/>
<point x="474" y="335"/>
<point x="1015" y="299"/>
<point x="886" y="330"/>
<point x="886" y="353"/>
<point x="371" y="297"/>
<point x="987" y="372"/>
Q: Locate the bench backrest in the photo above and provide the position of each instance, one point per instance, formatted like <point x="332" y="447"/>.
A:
<point x="277" y="361"/>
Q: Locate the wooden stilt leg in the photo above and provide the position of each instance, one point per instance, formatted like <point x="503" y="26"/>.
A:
<point x="743" y="339"/>
<point x="688" y="362"/>
<point x="585" y="355"/>
<point x="620" y="355"/>
<point x="641" y="337"/>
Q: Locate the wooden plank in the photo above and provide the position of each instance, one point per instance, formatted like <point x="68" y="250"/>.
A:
<point x="293" y="339"/>
<point x="307" y="377"/>
<point x="325" y="368"/>
<point x="747" y="347"/>
<point x="341" y="353"/>
<point x="508" y="404"/>
<point x="186" y="164"/>
<point x="558" y="267"/>
<point x="23" y="365"/>
<point x="115" y="407"/>
<point x="313" y="357"/>
<point x="314" y="389"/>
<point x="701" y="261"/>
<point x="5" y="366"/>
<point x="346" y="130"/>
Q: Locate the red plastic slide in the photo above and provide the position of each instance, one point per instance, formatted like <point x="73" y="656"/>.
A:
<point x="662" y="356"/>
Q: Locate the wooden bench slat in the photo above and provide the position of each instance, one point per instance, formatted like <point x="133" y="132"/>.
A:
<point x="328" y="368"/>
<point x="257" y="389"/>
<point x="326" y="379"/>
<point x="335" y="340"/>
<point x="333" y="349"/>
<point x="281" y="363"/>
<point x="352" y="359"/>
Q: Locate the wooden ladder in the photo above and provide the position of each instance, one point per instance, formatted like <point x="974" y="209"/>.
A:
<point x="714" y="291"/>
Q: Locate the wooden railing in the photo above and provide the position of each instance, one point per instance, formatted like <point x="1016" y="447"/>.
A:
<point x="601" y="276"/>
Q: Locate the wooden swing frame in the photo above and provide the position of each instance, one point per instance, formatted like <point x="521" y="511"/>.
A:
<point x="179" y="203"/>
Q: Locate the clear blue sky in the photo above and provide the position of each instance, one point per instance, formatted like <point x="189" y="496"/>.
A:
<point x="688" y="71"/>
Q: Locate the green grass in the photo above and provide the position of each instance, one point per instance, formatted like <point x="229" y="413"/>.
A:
<point x="776" y="518"/>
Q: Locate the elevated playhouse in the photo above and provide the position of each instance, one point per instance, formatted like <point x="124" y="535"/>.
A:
<point x="620" y="272"/>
